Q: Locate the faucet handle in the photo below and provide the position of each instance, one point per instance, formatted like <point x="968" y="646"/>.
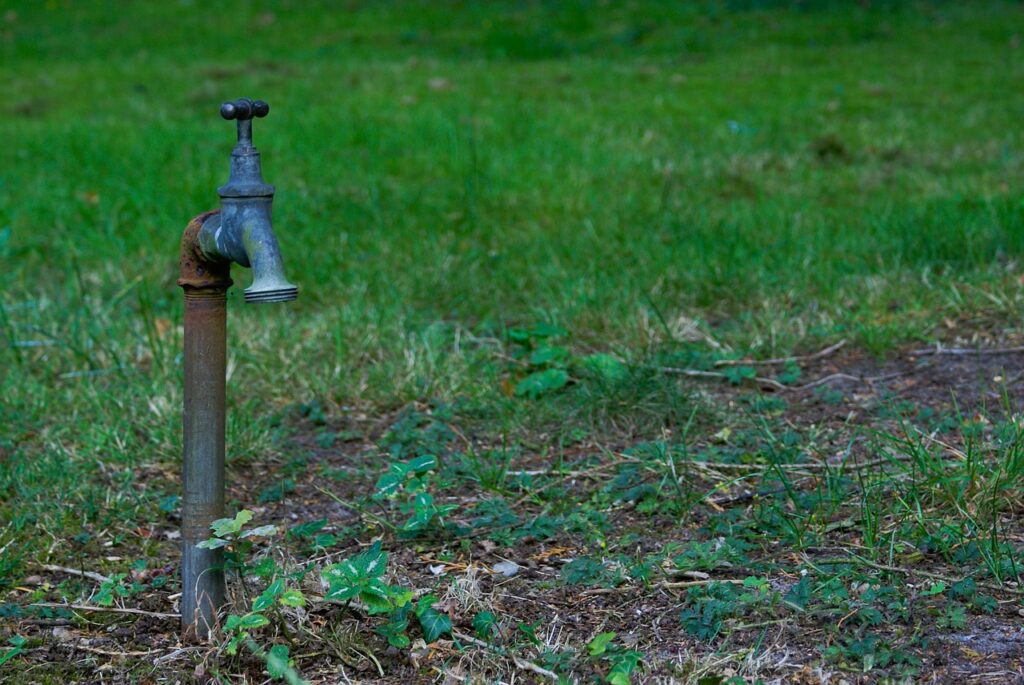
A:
<point x="244" y="108"/>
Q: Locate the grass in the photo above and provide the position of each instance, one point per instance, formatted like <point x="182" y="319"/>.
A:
<point x="672" y="185"/>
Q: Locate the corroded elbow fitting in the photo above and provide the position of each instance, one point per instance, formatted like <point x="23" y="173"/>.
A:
<point x="242" y="231"/>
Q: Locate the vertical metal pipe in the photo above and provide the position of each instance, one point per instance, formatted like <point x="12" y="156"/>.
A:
<point x="202" y="570"/>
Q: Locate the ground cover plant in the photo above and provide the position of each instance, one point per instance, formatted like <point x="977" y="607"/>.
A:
<point x="637" y="342"/>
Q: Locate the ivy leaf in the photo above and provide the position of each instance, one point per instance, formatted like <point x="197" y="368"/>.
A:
<point x="277" y="661"/>
<point x="484" y="623"/>
<point x="394" y="629"/>
<point x="252" y="620"/>
<point x="267" y="597"/>
<point x="623" y="666"/>
<point x="599" y="644"/>
<point x="541" y="383"/>
<point x="388" y="484"/>
<point x="292" y="598"/>
<point x="433" y="622"/>
<point x="423" y="463"/>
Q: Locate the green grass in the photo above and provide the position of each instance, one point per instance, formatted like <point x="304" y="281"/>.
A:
<point x="668" y="182"/>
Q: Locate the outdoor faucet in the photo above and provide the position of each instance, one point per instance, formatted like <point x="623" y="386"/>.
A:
<point x="239" y="232"/>
<point x="242" y="232"/>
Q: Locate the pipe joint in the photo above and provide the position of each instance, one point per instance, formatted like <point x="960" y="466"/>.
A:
<point x="196" y="270"/>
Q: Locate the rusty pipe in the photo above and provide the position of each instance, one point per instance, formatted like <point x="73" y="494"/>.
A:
<point x="240" y="232"/>
<point x="202" y="570"/>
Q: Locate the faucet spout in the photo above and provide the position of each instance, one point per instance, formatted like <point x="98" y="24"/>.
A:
<point x="243" y="231"/>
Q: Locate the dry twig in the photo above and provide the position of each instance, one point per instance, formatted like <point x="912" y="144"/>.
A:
<point x="965" y="351"/>
<point x="518" y="661"/>
<point x="112" y="610"/>
<point x="861" y="561"/>
<point x="782" y="360"/>
<point x="91" y="575"/>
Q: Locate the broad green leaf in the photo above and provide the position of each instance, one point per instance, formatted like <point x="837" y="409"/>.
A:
<point x="484" y="623"/>
<point x="325" y="540"/>
<point x="798" y="595"/>
<point x="225" y="527"/>
<point x="342" y="591"/>
<point x="623" y="666"/>
<point x="261" y="531"/>
<point x="18" y="644"/>
<point x="375" y="603"/>
<point x="277" y="661"/>
<point x="104" y="597"/>
<point x="267" y="597"/>
<point x="547" y="330"/>
<point x="433" y="622"/>
<point x="423" y="463"/>
<point x="606" y="366"/>
<point x="400" y="596"/>
<point x="548" y="354"/>
<point x="541" y="383"/>
<point x="232" y="646"/>
<point x="398" y="640"/>
<point x="252" y="620"/>
<point x="307" y="529"/>
<point x="373" y="562"/>
<point x="213" y="543"/>
<point x="388" y="484"/>
<point x="292" y="598"/>
<point x="599" y="644"/>
<point x="394" y="629"/>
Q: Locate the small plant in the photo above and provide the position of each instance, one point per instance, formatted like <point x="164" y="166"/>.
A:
<point x="591" y="572"/>
<point x="709" y="606"/>
<point x="621" y="662"/>
<point x="237" y="541"/>
<point x="17" y="643"/>
<point x="413" y="478"/>
<point x="545" y="363"/>
<point x="231" y="533"/>
<point x="543" y="366"/>
<point x="361" y="579"/>
<point x="869" y="652"/>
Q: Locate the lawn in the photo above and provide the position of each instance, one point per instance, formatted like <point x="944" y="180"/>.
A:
<point x="650" y="341"/>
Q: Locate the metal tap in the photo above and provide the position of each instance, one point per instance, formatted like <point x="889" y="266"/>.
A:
<point x="240" y="232"/>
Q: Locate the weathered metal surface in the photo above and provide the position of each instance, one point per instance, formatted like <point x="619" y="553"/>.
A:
<point x="202" y="572"/>
<point x="241" y="231"/>
<point x="195" y="270"/>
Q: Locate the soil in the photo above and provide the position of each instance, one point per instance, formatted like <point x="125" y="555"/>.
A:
<point x="97" y="646"/>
